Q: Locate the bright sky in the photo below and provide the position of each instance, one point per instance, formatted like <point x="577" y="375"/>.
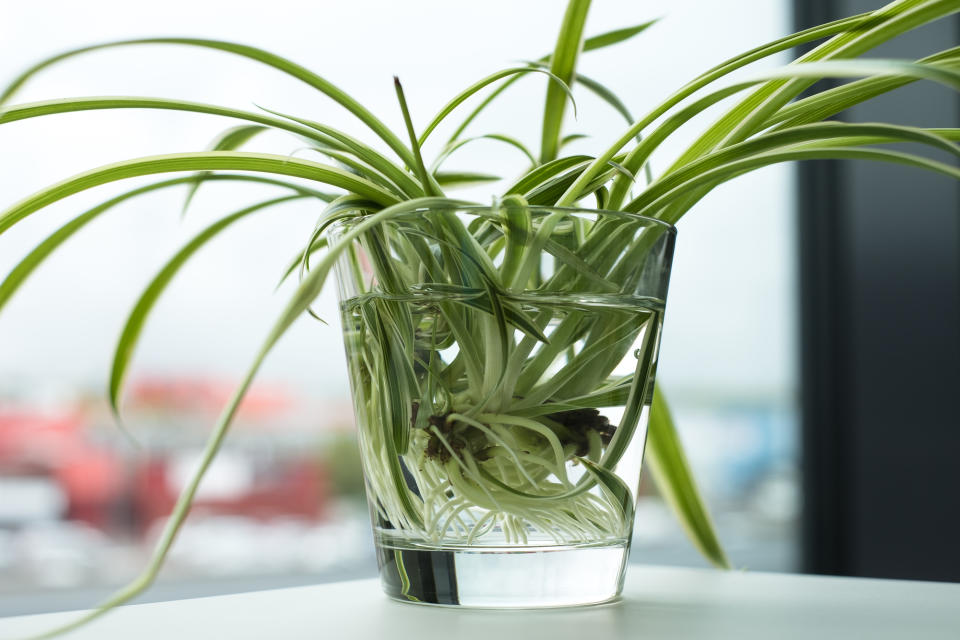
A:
<point x="730" y="314"/>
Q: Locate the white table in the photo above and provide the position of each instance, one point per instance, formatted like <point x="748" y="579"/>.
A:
<point x="658" y="602"/>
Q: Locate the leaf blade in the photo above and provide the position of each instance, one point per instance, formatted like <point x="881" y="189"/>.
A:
<point x="19" y="274"/>
<point x="667" y="462"/>
<point x="229" y="140"/>
<point x="563" y="64"/>
<point x="253" y="53"/>
<point x="196" y="161"/>
<point x="137" y="318"/>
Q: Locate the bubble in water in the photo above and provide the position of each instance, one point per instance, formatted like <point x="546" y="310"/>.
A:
<point x="637" y="353"/>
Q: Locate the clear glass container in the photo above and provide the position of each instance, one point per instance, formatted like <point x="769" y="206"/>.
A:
<point x="502" y="364"/>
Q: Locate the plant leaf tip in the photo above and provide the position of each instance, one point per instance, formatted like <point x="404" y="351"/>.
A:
<point x="122" y="426"/>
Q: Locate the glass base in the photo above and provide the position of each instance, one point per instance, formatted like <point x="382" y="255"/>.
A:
<point x="503" y="577"/>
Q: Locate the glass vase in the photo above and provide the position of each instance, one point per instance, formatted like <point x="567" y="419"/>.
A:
<point x="502" y="365"/>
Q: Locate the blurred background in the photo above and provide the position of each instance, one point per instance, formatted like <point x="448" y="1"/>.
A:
<point x="80" y="507"/>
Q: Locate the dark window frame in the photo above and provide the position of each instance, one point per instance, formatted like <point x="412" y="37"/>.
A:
<point x="880" y="379"/>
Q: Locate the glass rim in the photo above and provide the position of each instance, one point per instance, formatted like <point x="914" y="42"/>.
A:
<point x="344" y="221"/>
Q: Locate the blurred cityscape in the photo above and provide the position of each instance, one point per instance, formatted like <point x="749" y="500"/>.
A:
<point x="81" y="504"/>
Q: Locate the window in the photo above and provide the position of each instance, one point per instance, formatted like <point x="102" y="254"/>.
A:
<point x="282" y="506"/>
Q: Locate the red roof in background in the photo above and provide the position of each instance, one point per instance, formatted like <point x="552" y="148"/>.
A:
<point x="38" y="437"/>
<point x="186" y="394"/>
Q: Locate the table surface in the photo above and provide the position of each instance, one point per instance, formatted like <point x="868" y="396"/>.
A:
<point x="658" y="602"/>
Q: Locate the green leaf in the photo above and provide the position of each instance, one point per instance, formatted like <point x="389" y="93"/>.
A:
<point x="665" y="458"/>
<point x="499" y="137"/>
<point x="875" y="67"/>
<point x="356" y="167"/>
<point x="830" y="69"/>
<point x="727" y="171"/>
<point x="577" y="263"/>
<point x="427" y="182"/>
<point x="611" y="98"/>
<point x="824" y="133"/>
<point x="72" y="105"/>
<point x="600" y="90"/>
<point x="616" y="489"/>
<point x="563" y="64"/>
<point x="607" y="397"/>
<point x="35" y="258"/>
<point x="555" y="80"/>
<point x="301" y="258"/>
<point x="235" y="137"/>
<point x="199" y="161"/>
<point x="517" y="231"/>
<point x="546" y="172"/>
<point x="313" y="131"/>
<point x="616" y="36"/>
<point x="463" y="178"/>
<point x="232" y="138"/>
<point x="482" y="300"/>
<point x="832" y="101"/>
<point x="885" y="23"/>
<point x="845" y="27"/>
<point x="549" y="193"/>
<point x="567" y="139"/>
<point x="590" y="44"/>
<point x="364" y="152"/>
<point x="133" y="327"/>
<point x="346" y="206"/>
<point x="277" y="62"/>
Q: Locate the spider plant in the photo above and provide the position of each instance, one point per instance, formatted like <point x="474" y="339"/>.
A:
<point x="388" y="219"/>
